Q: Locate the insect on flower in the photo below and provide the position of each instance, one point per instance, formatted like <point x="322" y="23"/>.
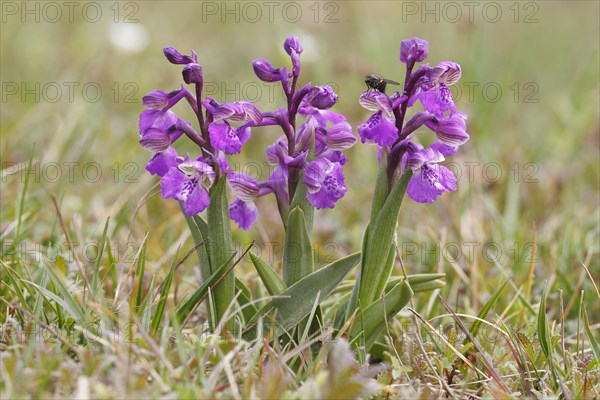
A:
<point x="376" y="82"/>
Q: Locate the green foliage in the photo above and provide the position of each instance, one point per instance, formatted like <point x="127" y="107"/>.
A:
<point x="220" y="244"/>
<point x="293" y="304"/>
<point x="379" y="253"/>
<point x="298" y="260"/>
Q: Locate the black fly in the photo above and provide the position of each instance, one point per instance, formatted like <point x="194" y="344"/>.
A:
<point x="376" y="82"/>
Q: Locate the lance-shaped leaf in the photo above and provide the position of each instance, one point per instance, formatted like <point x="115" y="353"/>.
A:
<point x="296" y="302"/>
<point x="298" y="259"/>
<point x="375" y="267"/>
<point x="221" y="246"/>
<point x="382" y="190"/>
<point x="270" y="278"/>
<point x="244" y="299"/>
<point x="414" y="280"/>
<point x="369" y="324"/>
<point x="418" y="283"/>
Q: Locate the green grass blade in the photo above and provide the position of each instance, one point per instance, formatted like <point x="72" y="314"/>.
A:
<point x="269" y="277"/>
<point x="544" y="334"/>
<point x="590" y="335"/>
<point x="162" y="301"/>
<point x="139" y="274"/>
<point x="72" y="305"/>
<point x="16" y="288"/>
<point x="486" y="308"/>
<point x="186" y="308"/>
<point x="98" y="262"/>
<point x="542" y="326"/>
<point x="22" y="200"/>
<point x="298" y="260"/>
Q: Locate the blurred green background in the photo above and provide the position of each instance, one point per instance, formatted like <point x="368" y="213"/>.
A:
<point x="528" y="177"/>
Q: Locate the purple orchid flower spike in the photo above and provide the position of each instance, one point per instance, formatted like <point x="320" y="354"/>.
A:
<point x="308" y="153"/>
<point x="189" y="180"/>
<point x="395" y="134"/>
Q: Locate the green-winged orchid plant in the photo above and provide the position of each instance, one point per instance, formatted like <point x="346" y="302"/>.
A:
<point x="307" y="174"/>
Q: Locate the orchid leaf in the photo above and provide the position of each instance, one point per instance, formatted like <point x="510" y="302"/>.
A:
<point x="375" y="267"/>
<point x="220" y="245"/>
<point x="244" y="299"/>
<point x="296" y="302"/>
<point x="269" y="277"/>
<point x="298" y="260"/>
<point x="369" y="323"/>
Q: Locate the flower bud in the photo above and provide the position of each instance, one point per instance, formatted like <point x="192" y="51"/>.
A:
<point x="321" y="97"/>
<point x="416" y="122"/>
<point x="292" y="44"/>
<point x="192" y="73"/>
<point x="414" y="50"/>
<point x="176" y="57"/>
<point x="265" y="71"/>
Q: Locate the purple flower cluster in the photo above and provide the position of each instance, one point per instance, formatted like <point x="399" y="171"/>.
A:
<point x="315" y="147"/>
<point x="311" y="151"/>
<point x="386" y="127"/>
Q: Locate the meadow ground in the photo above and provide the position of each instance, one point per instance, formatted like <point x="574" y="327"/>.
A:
<point x="525" y="216"/>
